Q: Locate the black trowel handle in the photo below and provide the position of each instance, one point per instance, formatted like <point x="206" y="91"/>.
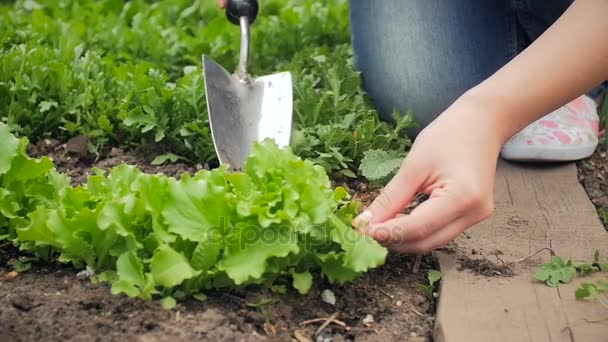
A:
<point x="235" y="9"/>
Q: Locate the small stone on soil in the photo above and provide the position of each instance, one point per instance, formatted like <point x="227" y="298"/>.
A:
<point x="22" y="303"/>
<point x="11" y="275"/>
<point x="328" y="297"/>
<point x="368" y="320"/>
<point x="78" y="145"/>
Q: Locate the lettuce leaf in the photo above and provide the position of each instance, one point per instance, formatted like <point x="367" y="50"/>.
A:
<point x="153" y="235"/>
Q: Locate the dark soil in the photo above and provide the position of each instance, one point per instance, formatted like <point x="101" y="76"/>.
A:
<point x="50" y="303"/>
<point x="71" y="160"/>
<point x="485" y="267"/>
<point x="593" y="175"/>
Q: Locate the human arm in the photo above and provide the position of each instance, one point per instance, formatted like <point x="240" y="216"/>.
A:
<point x="454" y="159"/>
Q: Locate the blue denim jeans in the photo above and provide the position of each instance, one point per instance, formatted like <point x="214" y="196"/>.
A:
<point x="423" y="54"/>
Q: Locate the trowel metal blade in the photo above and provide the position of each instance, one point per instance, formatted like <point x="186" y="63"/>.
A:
<point x="241" y="113"/>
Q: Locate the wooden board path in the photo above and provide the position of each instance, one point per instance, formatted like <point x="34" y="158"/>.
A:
<point x="536" y="206"/>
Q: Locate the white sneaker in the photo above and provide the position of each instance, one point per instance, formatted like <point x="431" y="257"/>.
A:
<point x="567" y="134"/>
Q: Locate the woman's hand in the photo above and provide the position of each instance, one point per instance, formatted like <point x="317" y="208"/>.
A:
<point x="454" y="161"/>
<point x="222" y="3"/>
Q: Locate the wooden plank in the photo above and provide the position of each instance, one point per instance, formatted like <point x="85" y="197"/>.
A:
<point x="536" y="206"/>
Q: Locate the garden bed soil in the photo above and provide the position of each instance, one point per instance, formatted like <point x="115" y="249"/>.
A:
<point x="50" y="303"/>
<point x="593" y="175"/>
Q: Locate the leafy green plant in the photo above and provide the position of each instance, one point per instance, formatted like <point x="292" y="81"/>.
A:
<point x="433" y="276"/>
<point x="87" y="67"/>
<point x="155" y="236"/>
<point x="597" y="290"/>
<point x="378" y="165"/>
<point x="604" y="216"/>
<point x="558" y="271"/>
<point x="22" y="264"/>
<point x="335" y="121"/>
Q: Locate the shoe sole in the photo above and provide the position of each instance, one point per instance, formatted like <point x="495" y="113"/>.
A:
<point x="547" y="154"/>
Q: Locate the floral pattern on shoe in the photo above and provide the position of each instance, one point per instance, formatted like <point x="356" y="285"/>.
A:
<point x="568" y="133"/>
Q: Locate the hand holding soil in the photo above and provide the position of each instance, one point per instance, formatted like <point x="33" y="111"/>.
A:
<point x="456" y="167"/>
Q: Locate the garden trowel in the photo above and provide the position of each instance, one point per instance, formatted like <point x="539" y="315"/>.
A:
<point x="243" y="109"/>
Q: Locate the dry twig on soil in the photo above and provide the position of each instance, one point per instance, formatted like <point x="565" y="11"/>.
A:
<point x="326" y="323"/>
<point x="417" y="263"/>
<point x="535" y="253"/>
<point x="389" y="296"/>
<point x="316" y="320"/>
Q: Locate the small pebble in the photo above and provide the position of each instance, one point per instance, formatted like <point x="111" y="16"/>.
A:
<point x="78" y="145"/>
<point x="115" y="152"/>
<point x="399" y="303"/>
<point x="368" y="320"/>
<point x="328" y="297"/>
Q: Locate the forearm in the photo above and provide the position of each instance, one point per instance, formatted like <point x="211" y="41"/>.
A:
<point x="570" y="58"/>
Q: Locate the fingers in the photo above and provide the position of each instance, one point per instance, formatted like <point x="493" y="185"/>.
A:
<point x="430" y="216"/>
<point x="394" y="197"/>
<point x="437" y="240"/>
<point x="441" y="237"/>
<point x="432" y="224"/>
<point x="222" y="3"/>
